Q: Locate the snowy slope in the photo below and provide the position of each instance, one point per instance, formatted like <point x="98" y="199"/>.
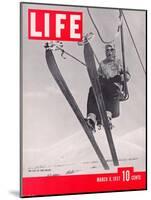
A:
<point x="136" y="137"/>
<point x="75" y="155"/>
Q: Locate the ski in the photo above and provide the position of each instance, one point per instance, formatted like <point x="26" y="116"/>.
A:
<point x="53" y="67"/>
<point x="92" y="71"/>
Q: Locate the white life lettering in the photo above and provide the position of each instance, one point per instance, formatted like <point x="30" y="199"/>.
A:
<point x="33" y="31"/>
<point x="59" y="25"/>
<point x="74" y="26"/>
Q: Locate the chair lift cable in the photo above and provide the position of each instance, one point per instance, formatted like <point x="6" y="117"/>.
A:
<point x="133" y="42"/>
<point x="101" y="38"/>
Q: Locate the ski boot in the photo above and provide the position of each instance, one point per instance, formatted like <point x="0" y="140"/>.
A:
<point x="91" y="121"/>
<point x="110" y="123"/>
<point x="109" y="116"/>
<point x="91" y="125"/>
<point x="99" y="125"/>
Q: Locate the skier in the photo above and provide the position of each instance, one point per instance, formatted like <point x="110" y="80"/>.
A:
<point x="110" y="73"/>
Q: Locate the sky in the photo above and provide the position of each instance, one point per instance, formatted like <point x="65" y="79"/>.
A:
<point x="47" y="116"/>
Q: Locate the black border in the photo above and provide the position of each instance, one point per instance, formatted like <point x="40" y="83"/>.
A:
<point x="83" y="6"/>
<point x="21" y="102"/>
<point x="21" y="98"/>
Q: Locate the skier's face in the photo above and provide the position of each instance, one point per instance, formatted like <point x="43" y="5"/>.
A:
<point x="110" y="53"/>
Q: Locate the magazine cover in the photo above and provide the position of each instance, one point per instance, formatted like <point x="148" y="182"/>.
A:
<point x="83" y="99"/>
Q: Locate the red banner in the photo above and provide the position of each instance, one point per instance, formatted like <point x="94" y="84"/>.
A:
<point x="54" y="25"/>
<point x="124" y="179"/>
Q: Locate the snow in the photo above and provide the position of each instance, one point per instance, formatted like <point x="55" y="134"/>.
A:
<point x="75" y="155"/>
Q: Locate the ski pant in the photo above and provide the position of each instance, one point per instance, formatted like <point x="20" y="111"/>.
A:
<point x="110" y="94"/>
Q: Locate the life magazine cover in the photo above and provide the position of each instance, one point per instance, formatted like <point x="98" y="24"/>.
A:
<point x="83" y="99"/>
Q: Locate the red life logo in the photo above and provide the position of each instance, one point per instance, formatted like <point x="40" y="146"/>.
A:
<point x="54" y="25"/>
